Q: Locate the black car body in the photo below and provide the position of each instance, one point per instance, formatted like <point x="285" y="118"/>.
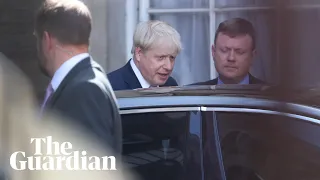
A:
<point x="220" y="132"/>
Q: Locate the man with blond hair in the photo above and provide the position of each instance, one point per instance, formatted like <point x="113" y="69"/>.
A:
<point x="155" y="47"/>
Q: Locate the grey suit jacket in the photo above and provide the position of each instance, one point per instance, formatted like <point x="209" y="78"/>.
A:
<point x="85" y="96"/>
<point x="19" y="123"/>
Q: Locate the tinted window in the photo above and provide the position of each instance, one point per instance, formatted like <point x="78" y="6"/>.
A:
<point x="262" y="146"/>
<point x="163" y="145"/>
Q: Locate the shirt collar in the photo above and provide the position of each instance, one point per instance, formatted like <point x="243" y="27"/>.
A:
<point x="143" y="82"/>
<point x="65" y="68"/>
<point x="244" y="81"/>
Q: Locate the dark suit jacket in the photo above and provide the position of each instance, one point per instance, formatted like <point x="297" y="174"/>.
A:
<point x="125" y="79"/>
<point x="86" y="98"/>
<point x="252" y="80"/>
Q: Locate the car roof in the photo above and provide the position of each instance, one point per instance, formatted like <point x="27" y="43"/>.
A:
<point x="201" y="90"/>
<point x="298" y="101"/>
<point x="255" y="90"/>
<point x="306" y="96"/>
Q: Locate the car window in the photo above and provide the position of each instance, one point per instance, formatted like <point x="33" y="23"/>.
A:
<point x="258" y="146"/>
<point x="163" y="145"/>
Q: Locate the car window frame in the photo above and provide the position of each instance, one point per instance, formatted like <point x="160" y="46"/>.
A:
<point x="217" y="138"/>
<point x="215" y="104"/>
<point x="172" y="109"/>
<point x="217" y="101"/>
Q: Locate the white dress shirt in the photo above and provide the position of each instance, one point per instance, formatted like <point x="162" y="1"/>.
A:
<point x="143" y="82"/>
<point x="65" y="68"/>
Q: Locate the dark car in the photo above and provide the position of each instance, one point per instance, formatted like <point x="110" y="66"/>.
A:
<point x="221" y="133"/>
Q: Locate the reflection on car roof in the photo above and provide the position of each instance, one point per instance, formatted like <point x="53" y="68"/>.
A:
<point x="303" y="95"/>
<point x="201" y="90"/>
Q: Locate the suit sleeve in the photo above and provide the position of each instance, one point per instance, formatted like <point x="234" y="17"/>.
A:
<point x="172" y="82"/>
<point x="94" y="108"/>
<point x="175" y="82"/>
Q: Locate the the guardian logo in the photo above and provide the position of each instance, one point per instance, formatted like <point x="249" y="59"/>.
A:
<point x="59" y="157"/>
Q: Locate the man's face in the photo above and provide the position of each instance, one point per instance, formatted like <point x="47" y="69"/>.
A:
<point x="156" y="64"/>
<point x="233" y="56"/>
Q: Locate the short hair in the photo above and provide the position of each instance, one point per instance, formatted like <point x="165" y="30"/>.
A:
<point x="147" y="33"/>
<point x="67" y="20"/>
<point x="235" y="27"/>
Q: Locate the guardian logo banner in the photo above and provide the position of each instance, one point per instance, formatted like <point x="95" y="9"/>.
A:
<point x="59" y="156"/>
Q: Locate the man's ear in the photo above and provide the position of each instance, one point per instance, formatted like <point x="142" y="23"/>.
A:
<point x="254" y="52"/>
<point x="47" y="40"/>
<point x="213" y="51"/>
<point x="138" y="53"/>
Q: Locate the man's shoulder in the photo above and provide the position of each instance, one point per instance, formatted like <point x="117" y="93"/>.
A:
<point x="171" y="82"/>
<point x="209" y="82"/>
<point x="85" y="87"/>
<point x="255" y="80"/>
<point x="118" y="72"/>
<point x="88" y="79"/>
<point x="115" y="72"/>
<point x="117" y="78"/>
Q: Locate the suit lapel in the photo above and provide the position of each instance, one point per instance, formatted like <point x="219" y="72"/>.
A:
<point x="253" y="80"/>
<point x="70" y="76"/>
<point x="214" y="81"/>
<point x="167" y="83"/>
<point x="130" y="77"/>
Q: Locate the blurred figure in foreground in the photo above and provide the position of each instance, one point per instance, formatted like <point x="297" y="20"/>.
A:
<point x="155" y="47"/>
<point x="233" y="52"/>
<point x="79" y="88"/>
<point x="19" y="123"/>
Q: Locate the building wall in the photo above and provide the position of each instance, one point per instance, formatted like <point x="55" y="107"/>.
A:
<point x="17" y="40"/>
<point x="116" y="22"/>
<point x="19" y="45"/>
<point x="98" y="39"/>
<point x="108" y="41"/>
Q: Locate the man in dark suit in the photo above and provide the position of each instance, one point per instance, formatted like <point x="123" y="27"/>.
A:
<point x="249" y="79"/>
<point x="155" y="47"/>
<point x="79" y="89"/>
<point x="17" y="129"/>
<point x="233" y="51"/>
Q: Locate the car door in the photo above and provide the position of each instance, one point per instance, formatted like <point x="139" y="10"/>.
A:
<point x="255" y="144"/>
<point x="163" y="143"/>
